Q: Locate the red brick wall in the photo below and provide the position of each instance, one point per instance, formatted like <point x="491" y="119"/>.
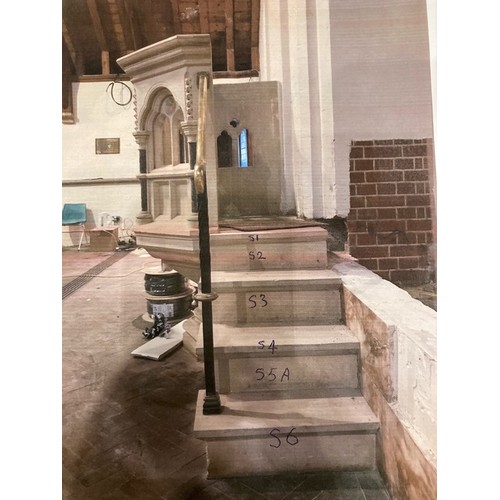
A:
<point x="390" y="224"/>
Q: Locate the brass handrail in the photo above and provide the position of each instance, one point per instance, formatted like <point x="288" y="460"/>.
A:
<point x="200" y="165"/>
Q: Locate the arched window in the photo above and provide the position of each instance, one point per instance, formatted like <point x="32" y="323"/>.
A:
<point x="169" y="143"/>
<point x="224" y="150"/>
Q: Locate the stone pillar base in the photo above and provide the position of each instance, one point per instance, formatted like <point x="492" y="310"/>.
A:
<point x="143" y="218"/>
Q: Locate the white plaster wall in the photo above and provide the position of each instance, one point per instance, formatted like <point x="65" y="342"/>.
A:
<point x="356" y="69"/>
<point x="432" y="23"/>
<point x="121" y="199"/>
<point x="97" y="116"/>
<point x="382" y="81"/>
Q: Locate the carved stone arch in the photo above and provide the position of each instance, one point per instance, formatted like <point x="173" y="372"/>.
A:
<point x="155" y="100"/>
<point x="160" y="117"/>
<point x="169" y="105"/>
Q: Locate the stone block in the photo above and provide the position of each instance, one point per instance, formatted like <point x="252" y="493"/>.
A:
<point x="261" y="305"/>
<point x="293" y="373"/>
<point x="312" y="453"/>
<point x="378" y="344"/>
<point x="258" y="436"/>
<point x="400" y="454"/>
<point x="271" y="297"/>
<point x="417" y="390"/>
<point x="300" y="248"/>
<point x="285" y="358"/>
<point x="402" y="393"/>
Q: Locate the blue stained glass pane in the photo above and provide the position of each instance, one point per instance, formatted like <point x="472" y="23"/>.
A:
<point x="243" y="149"/>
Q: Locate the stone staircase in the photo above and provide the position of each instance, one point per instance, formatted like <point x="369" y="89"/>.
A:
<point x="287" y="368"/>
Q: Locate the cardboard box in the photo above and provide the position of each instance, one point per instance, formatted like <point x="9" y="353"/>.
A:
<point x="103" y="239"/>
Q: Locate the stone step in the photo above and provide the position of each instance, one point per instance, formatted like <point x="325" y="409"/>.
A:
<point x="263" y="437"/>
<point x="304" y="248"/>
<point x="254" y="297"/>
<point x="284" y="358"/>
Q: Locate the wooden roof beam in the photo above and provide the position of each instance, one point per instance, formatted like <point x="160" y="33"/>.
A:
<point x="229" y="14"/>
<point x="101" y="38"/>
<point x="69" y="56"/>
<point x="73" y="55"/>
<point x="69" y="43"/>
<point x="126" y="25"/>
<point x="175" y="15"/>
<point x="255" y="34"/>
<point x="204" y="22"/>
<point x="132" y="23"/>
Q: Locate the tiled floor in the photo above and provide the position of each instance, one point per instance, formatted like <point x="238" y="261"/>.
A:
<point x="127" y="422"/>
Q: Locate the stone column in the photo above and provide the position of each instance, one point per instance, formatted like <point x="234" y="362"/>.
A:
<point x="190" y="130"/>
<point x="144" y="216"/>
<point x="296" y="49"/>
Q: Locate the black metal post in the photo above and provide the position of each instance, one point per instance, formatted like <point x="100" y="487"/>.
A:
<point x="192" y="162"/>
<point x="211" y="403"/>
<point x="144" y="190"/>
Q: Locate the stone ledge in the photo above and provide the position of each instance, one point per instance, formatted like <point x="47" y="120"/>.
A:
<point x="100" y="180"/>
<point x="398" y="337"/>
<point x="393" y="305"/>
<point x="228" y="281"/>
<point x="401" y="451"/>
<point x="230" y="340"/>
<point x="242" y="417"/>
<point x="230" y="236"/>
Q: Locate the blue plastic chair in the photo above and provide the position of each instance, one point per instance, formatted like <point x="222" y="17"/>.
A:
<point x="75" y="214"/>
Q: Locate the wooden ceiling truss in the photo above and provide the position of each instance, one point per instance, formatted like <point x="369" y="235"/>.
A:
<point x="95" y="33"/>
